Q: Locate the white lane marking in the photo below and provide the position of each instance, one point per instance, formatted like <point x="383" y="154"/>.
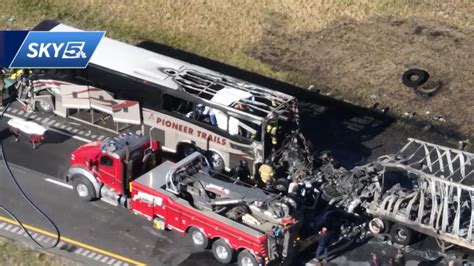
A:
<point x="72" y="136"/>
<point x="8" y="227"/>
<point x="57" y="131"/>
<point x="21" y="232"/>
<point x="40" y="238"/>
<point x="118" y="263"/>
<point x="14" y="110"/>
<point x="14" y="229"/>
<point x="104" y="259"/>
<point x="92" y="255"/>
<point x="2" y="225"/>
<point x="59" y="183"/>
<point x="100" y="137"/>
<point x="112" y="260"/>
<point x="79" y="250"/>
<point x="85" y="252"/>
<point x="98" y="257"/>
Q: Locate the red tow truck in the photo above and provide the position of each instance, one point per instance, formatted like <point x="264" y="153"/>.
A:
<point x="234" y="219"/>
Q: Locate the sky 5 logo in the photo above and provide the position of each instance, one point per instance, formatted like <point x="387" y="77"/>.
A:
<point x="57" y="49"/>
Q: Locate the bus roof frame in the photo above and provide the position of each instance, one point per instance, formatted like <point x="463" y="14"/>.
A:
<point x="99" y="60"/>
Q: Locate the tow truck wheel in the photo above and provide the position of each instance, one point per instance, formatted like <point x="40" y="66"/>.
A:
<point x="198" y="238"/>
<point x="44" y="106"/>
<point x="84" y="189"/>
<point x="246" y="258"/>
<point x="222" y="252"/>
<point x="401" y="234"/>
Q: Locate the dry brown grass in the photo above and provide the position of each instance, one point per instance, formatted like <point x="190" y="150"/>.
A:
<point x="12" y="253"/>
<point x="223" y="29"/>
<point x="226" y="30"/>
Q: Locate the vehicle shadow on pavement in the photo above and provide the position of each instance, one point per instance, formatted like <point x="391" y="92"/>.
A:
<point x="54" y="137"/>
<point x="5" y="134"/>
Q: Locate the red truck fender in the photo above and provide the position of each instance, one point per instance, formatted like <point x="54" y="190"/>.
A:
<point x="80" y="171"/>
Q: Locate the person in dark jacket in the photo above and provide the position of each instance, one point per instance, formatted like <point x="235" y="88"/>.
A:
<point x="323" y="245"/>
<point x="399" y="258"/>
<point x="374" y="260"/>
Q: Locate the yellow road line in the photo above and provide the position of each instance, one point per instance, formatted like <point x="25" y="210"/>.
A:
<point x="74" y="242"/>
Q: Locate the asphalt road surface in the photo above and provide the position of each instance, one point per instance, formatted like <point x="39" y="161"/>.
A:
<point x="352" y="136"/>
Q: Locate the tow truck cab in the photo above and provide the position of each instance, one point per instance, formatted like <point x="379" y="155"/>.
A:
<point x="105" y="169"/>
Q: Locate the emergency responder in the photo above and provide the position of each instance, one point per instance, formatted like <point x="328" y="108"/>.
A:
<point x="272" y="129"/>
<point x="242" y="172"/>
<point x="325" y="237"/>
<point x="266" y="174"/>
<point x="9" y="78"/>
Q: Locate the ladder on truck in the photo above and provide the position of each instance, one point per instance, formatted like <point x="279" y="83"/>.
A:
<point x="441" y="204"/>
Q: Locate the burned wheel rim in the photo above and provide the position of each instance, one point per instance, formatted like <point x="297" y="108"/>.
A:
<point x="376" y="226"/>
<point x="197" y="238"/>
<point x="82" y="190"/>
<point x="217" y="162"/>
<point x="222" y="253"/>
<point x="401" y="235"/>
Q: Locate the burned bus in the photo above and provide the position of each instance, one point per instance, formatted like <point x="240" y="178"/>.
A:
<point x="180" y="104"/>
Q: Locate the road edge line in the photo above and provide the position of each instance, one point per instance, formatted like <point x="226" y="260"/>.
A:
<point x="74" y="242"/>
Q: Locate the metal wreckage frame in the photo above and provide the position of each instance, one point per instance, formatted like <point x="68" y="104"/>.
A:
<point x="424" y="187"/>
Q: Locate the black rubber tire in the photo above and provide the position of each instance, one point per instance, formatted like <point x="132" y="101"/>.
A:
<point x="216" y="161"/>
<point x="218" y="244"/>
<point x="184" y="149"/>
<point x="396" y="234"/>
<point x="80" y="181"/>
<point x="246" y="255"/>
<point x="281" y="185"/>
<point x="40" y="108"/>
<point x="192" y="232"/>
<point x="422" y="77"/>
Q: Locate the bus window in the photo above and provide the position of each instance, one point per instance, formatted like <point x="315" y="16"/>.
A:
<point x="177" y="105"/>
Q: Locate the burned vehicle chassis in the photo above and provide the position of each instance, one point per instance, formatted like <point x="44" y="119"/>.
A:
<point x="424" y="188"/>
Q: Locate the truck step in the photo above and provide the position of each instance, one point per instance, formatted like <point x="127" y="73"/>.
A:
<point x="109" y="201"/>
